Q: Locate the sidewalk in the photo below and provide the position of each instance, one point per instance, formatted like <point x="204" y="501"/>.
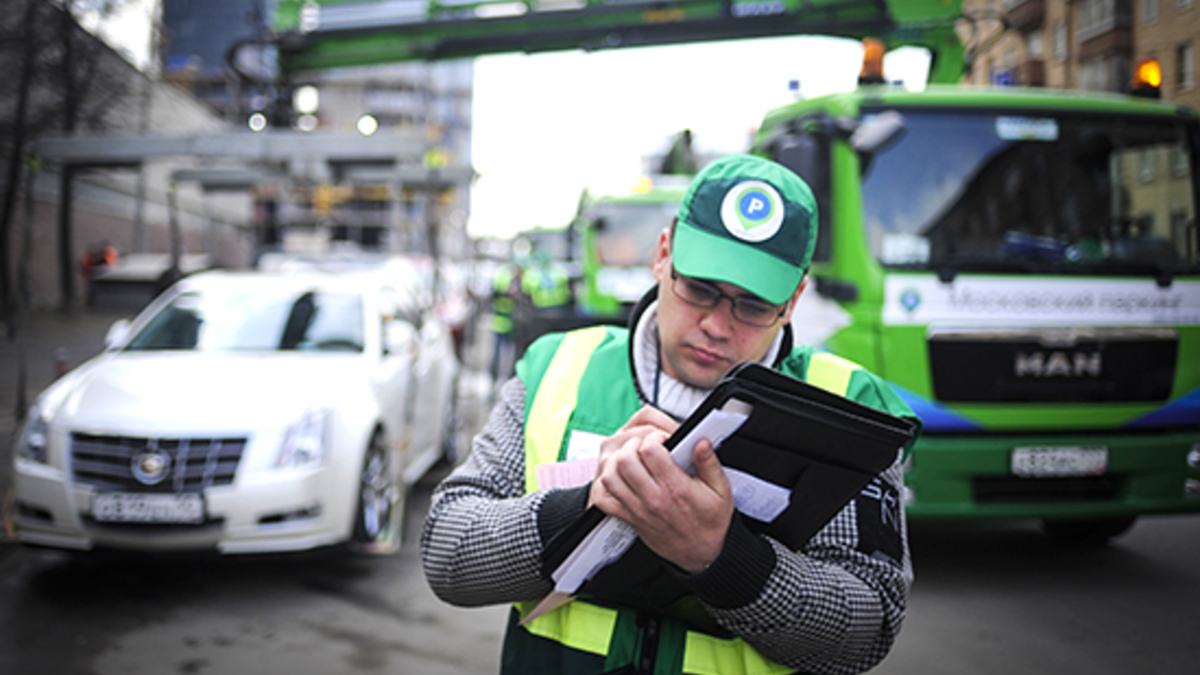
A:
<point x="41" y="339"/>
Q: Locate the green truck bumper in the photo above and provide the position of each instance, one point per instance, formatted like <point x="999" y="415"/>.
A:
<point x="974" y="477"/>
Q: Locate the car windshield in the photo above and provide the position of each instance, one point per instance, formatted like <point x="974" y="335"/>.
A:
<point x="627" y="234"/>
<point x="256" y="321"/>
<point x="1002" y="192"/>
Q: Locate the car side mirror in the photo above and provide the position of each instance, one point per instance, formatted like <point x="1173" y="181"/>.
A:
<point x="398" y="334"/>
<point x="117" y="334"/>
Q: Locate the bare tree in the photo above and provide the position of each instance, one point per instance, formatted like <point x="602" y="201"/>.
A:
<point x="68" y="81"/>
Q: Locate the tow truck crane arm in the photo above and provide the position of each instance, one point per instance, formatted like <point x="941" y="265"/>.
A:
<point x="314" y="36"/>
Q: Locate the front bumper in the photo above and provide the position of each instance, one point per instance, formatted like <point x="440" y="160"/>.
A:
<point x="969" y="476"/>
<point x="285" y="511"/>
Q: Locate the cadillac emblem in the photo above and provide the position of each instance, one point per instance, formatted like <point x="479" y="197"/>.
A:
<point x="151" y="466"/>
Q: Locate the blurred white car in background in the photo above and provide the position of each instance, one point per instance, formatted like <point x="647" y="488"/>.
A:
<point x="245" y="412"/>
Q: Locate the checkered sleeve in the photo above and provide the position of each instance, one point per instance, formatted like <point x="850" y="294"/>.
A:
<point x="480" y="544"/>
<point x="837" y="606"/>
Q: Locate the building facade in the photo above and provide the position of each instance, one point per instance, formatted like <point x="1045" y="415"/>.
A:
<point x="1089" y="45"/>
<point x="221" y="51"/>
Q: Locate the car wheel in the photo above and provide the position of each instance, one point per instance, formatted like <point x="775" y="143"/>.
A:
<point x="379" y="519"/>
<point x="450" y="433"/>
<point x="1087" y="531"/>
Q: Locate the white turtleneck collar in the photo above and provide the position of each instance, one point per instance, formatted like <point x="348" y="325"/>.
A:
<point x="665" y="392"/>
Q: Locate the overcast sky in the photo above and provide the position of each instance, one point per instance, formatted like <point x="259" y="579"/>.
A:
<point x="546" y="126"/>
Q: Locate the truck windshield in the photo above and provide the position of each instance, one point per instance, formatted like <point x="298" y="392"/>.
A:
<point x="1012" y="192"/>
<point x="627" y="233"/>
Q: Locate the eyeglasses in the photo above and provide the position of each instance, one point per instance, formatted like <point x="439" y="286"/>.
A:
<point x="747" y="309"/>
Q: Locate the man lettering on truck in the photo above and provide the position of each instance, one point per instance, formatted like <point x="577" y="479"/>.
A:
<point x="744" y="233"/>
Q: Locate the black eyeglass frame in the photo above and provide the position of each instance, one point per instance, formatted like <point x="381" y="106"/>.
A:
<point x="734" y="301"/>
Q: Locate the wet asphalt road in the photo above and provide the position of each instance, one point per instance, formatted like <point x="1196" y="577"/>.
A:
<point x="989" y="598"/>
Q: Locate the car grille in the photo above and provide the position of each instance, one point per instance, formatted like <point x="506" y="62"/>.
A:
<point x="192" y="464"/>
<point x="1053" y="365"/>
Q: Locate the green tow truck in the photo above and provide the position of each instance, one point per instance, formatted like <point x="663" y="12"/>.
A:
<point x="1024" y="267"/>
<point x="615" y="240"/>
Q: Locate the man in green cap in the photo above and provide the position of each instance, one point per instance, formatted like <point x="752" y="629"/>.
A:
<point x="583" y="423"/>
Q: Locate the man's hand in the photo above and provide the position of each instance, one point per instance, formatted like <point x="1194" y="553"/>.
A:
<point x="682" y="518"/>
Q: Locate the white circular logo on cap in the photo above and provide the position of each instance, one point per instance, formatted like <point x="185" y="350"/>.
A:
<point x="752" y="211"/>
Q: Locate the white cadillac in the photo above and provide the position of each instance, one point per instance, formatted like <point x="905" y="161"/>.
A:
<point x="245" y="412"/>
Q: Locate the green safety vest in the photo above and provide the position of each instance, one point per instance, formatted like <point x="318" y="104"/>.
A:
<point x="546" y="286"/>
<point x="502" y="305"/>
<point x="592" y="365"/>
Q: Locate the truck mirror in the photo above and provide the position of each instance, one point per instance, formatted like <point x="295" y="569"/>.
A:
<point x="875" y="133"/>
<point x="801" y="154"/>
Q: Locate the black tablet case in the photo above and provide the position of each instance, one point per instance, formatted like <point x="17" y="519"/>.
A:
<point x="823" y="447"/>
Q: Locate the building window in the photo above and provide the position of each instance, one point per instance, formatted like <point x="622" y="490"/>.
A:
<point x="1060" y="41"/>
<point x="1184" y="66"/>
<point x="1146" y="165"/>
<point x="1149" y="11"/>
<point x="1179" y="161"/>
<point x="1033" y="45"/>
<point x="1093" y="75"/>
<point x="1183" y="4"/>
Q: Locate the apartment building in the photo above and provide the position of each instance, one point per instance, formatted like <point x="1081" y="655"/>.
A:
<point x="1090" y="45"/>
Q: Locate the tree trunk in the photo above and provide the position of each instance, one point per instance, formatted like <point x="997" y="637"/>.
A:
<point x="8" y="299"/>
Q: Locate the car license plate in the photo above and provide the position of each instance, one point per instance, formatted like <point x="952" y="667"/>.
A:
<point x="121" y="507"/>
<point x="1052" y="462"/>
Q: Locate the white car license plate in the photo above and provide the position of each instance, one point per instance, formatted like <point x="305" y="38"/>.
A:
<point x="121" y="507"/>
<point x="1052" y="462"/>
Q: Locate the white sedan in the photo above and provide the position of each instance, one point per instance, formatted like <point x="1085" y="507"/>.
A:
<point x="244" y="412"/>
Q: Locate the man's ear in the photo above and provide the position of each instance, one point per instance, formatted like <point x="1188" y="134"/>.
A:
<point x="662" y="255"/>
<point x="787" y="315"/>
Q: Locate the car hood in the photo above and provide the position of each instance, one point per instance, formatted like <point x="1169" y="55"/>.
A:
<point x="199" y="393"/>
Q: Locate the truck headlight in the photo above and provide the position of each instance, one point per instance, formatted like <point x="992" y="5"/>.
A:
<point x="35" y="436"/>
<point x="304" y="442"/>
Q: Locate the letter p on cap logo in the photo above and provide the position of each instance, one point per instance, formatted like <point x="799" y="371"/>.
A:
<point x="752" y="211"/>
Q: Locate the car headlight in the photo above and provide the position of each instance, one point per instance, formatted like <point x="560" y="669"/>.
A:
<point x="304" y="442"/>
<point x="35" y="436"/>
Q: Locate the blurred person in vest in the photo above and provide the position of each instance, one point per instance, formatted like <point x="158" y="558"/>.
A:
<point x="730" y="268"/>
<point x="547" y="283"/>
<point x="506" y="289"/>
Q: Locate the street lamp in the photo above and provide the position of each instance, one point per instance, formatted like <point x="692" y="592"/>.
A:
<point x="367" y="125"/>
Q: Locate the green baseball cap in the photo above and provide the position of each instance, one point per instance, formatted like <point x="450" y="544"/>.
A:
<point x="749" y="222"/>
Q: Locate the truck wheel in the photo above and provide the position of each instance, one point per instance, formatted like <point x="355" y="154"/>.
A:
<point x="1088" y="531"/>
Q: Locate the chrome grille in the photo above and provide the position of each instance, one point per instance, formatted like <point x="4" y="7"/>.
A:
<point x="106" y="462"/>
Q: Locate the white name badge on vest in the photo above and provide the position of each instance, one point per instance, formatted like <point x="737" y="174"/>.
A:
<point x="583" y="453"/>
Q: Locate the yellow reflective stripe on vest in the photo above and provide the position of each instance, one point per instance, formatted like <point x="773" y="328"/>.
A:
<point x="831" y="373"/>
<point x="707" y="655"/>
<point x="555" y="399"/>
<point x="578" y="625"/>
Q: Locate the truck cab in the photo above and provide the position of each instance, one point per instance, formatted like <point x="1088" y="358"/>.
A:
<point x="1023" y="266"/>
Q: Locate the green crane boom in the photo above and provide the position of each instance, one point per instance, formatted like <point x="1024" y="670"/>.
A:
<point x="315" y="36"/>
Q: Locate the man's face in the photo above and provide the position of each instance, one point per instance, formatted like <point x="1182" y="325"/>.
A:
<point x="700" y="345"/>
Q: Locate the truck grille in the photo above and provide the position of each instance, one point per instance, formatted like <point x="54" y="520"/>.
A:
<point x="1053" y="365"/>
<point x="1009" y="490"/>
<point x="187" y="464"/>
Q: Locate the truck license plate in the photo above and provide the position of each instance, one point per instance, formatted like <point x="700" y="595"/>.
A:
<point x="1053" y="462"/>
<point x="122" y="507"/>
